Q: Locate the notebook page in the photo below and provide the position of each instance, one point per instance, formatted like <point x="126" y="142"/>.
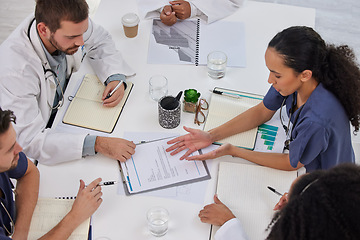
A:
<point x="222" y="109"/>
<point x="243" y="188"/>
<point x="86" y="109"/>
<point x="48" y="213"/>
<point x="91" y="88"/>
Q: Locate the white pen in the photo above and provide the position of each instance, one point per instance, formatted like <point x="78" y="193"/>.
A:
<point x="116" y="88"/>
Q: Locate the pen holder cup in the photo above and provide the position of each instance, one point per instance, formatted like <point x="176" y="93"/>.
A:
<point x="169" y="112"/>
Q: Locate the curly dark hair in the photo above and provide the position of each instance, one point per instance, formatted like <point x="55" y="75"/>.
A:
<point x="322" y="205"/>
<point x="334" y="66"/>
<point x="6" y="117"/>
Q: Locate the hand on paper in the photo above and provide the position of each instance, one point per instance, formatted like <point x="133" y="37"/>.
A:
<point x="282" y="202"/>
<point x="116" y="97"/>
<point x="116" y="148"/>
<point x="182" y="9"/>
<point x="193" y="141"/>
<point x="167" y="16"/>
<point x="216" y="213"/>
<point x="87" y="201"/>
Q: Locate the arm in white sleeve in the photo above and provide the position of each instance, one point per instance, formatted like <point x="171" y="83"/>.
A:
<point x="231" y="230"/>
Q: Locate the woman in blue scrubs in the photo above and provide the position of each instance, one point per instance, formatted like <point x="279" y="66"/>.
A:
<point x="320" y="86"/>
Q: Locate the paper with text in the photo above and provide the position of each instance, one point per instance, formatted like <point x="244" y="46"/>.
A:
<point x="151" y="167"/>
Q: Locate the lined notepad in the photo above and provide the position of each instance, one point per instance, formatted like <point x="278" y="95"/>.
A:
<point x="224" y="108"/>
<point x="48" y="213"/>
<point x="243" y="189"/>
<point x="86" y="109"/>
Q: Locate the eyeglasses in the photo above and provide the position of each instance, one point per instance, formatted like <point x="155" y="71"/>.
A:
<point x="12" y="224"/>
<point x="199" y="114"/>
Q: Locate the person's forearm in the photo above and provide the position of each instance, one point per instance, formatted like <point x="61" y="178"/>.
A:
<point x="26" y="195"/>
<point x="243" y="122"/>
<point x="273" y="160"/>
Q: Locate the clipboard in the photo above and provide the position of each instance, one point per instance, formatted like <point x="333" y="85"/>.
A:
<point x="224" y="106"/>
<point x="159" y="171"/>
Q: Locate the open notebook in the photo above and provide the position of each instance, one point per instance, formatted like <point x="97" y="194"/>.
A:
<point x="243" y="189"/>
<point x="226" y="106"/>
<point x="48" y="213"/>
<point x="86" y="109"/>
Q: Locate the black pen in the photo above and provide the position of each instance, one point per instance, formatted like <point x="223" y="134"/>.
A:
<point x="273" y="190"/>
<point x="106" y="183"/>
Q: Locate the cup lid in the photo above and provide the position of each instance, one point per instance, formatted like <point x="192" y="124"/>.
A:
<point x="130" y="20"/>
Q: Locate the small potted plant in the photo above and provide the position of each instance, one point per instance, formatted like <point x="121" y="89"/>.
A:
<point x="191" y="97"/>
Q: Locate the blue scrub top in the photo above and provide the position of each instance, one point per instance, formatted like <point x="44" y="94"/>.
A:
<point x="322" y="133"/>
<point x="8" y="199"/>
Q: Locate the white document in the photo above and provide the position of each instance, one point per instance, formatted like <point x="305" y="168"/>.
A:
<point x="151" y="167"/>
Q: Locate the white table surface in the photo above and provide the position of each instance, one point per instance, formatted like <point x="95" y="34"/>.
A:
<point x="123" y="217"/>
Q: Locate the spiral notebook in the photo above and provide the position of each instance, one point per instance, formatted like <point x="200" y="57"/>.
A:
<point x="86" y="109"/>
<point x="190" y="41"/>
<point x="48" y="213"/>
<point x="224" y="107"/>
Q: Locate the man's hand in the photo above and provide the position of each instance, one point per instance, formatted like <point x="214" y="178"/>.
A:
<point x="117" y="95"/>
<point x="216" y="213"/>
<point x="116" y="148"/>
<point x="167" y="16"/>
<point x="182" y="9"/>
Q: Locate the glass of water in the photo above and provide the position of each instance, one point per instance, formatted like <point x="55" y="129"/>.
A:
<point x="216" y="64"/>
<point x="157" y="218"/>
<point x="158" y="87"/>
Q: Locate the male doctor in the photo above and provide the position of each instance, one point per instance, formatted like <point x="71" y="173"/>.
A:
<point x="172" y="11"/>
<point x="36" y="62"/>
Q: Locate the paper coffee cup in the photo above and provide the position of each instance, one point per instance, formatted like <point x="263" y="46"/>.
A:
<point x="130" y="23"/>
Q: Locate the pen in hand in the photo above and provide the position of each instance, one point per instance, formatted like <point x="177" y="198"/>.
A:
<point x="274" y="191"/>
<point x="116" y="88"/>
<point x="106" y="183"/>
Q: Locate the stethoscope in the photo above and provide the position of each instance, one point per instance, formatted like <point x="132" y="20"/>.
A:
<point x="290" y="138"/>
<point x="53" y="73"/>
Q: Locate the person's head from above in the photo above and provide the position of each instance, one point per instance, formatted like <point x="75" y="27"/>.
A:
<point x="324" y="204"/>
<point x="294" y="56"/>
<point x="61" y="24"/>
<point x="299" y="59"/>
<point x="9" y="148"/>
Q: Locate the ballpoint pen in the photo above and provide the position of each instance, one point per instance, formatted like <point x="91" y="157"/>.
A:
<point x="116" y="88"/>
<point x="234" y="95"/>
<point x="273" y="190"/>
<point x="106" y="183"/>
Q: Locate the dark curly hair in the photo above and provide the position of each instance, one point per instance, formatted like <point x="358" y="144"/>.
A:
<point x="324" y="204"/>
<point x="334" y="66"/>
<point x="6" y="117"/>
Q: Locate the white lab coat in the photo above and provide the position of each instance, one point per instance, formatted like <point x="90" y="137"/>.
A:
<point x="231" y="230"/>
<point x="27" y="90"/>
<point x="212" y="10"/>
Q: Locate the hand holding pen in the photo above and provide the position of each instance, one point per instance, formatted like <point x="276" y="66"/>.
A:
<point x="114" y="101"/>
<point x="283" y="200"/>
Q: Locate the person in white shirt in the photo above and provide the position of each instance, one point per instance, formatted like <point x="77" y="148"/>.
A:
<point x="324" y="204"/>
<point x="36" y="63"/>
<point x="172" y="11"/>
